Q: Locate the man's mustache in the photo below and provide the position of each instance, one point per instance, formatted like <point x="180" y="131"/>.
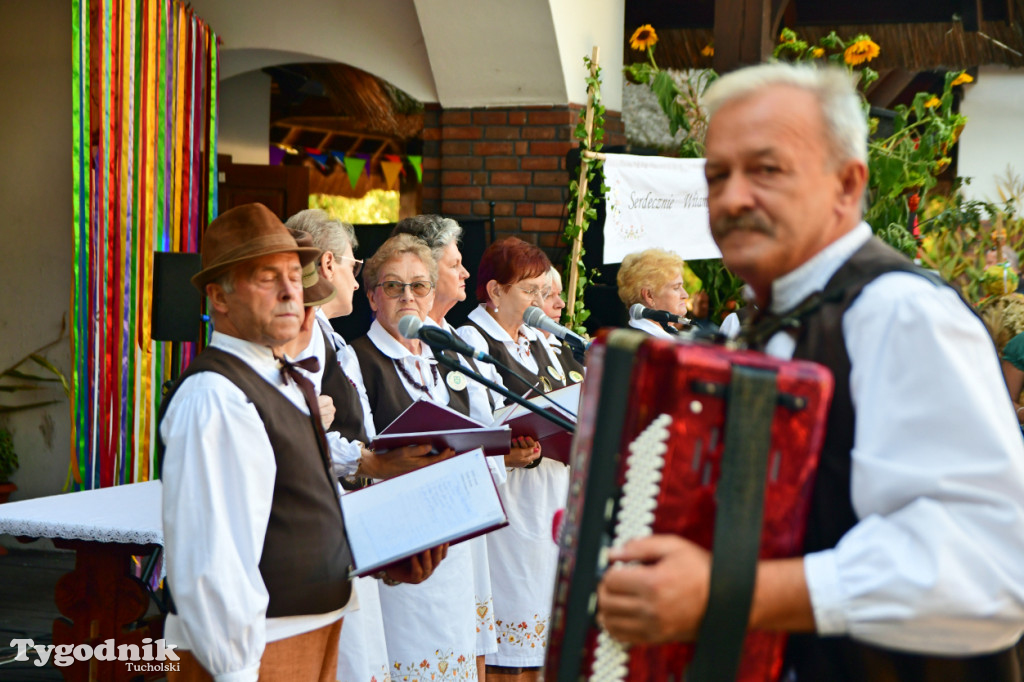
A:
<point x="748" y="222"/>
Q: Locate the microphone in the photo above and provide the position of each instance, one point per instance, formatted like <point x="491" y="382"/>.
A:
<point x="535" y="317"/>
<point x="412" y="327"/>
<point x="637" y="311"/>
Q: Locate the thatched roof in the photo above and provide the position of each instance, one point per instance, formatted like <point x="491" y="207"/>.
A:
<point x="923" y="46"/>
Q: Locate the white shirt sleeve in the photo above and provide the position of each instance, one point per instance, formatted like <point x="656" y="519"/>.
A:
<point x="345" y="454"/>
<point x="214" y="542"/>
<point x="936" y="562"/>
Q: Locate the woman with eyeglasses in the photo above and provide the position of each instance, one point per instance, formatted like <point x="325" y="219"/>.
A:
<point x="523" y="556"/>
<point x="553" y="305"/>
<point x="433" y="623"/>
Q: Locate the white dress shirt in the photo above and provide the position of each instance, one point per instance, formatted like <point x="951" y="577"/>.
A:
<point x="218" y="479"/>
<point x="345" y="453"/>
<point x="936" y="562"/>
<point x="650" y="327"/>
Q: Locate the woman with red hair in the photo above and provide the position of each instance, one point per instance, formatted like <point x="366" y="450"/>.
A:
<point x="513" y="275"/>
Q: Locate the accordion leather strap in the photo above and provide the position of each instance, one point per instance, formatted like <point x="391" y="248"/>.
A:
<point x="752" y="399"/>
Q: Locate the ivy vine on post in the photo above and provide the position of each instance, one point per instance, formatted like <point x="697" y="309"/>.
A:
<point x="590" y="133"/>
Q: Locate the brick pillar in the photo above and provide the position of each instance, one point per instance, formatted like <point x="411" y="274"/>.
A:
<point x="512" y="156"/>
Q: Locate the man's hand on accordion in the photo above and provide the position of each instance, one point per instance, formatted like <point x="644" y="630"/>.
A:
<point x="656" y="590"/>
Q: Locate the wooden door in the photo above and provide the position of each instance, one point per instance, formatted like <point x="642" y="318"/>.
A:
<point x="282" y="189"/>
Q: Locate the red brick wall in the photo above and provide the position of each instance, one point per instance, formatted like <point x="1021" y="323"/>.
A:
<point x="514" y="157"/>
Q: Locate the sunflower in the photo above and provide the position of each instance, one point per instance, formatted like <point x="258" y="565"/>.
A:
<point x="818" y="52"/>
<point x="708" y="51"/>
<point x="932" y="103"/>
<point x="861" y="51"/>
<point x="964" y="77"/>
<point x="643" y="38"/>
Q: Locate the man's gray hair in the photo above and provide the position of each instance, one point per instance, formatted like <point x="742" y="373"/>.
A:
<point x="846" y="126"/>
<point x="435" y="231"/>
<point x="328" y="233"/>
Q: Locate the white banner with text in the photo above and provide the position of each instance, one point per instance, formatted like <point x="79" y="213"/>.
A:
<point x="655" y="201"/>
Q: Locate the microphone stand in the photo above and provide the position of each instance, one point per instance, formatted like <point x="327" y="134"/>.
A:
<point x="459" y="367"/>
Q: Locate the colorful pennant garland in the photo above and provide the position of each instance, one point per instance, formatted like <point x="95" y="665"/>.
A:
<point x="354" y="163"/>
<point x="144" y="92"/>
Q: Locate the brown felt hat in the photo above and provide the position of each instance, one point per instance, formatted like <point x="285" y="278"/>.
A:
<point x="315" y="289"/>
<point x="241" y="234"/>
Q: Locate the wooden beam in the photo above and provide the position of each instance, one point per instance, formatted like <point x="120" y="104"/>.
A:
<point x="779" y="8"/>
<point x="742" y="33"/>
<point x="890" y="84"/>
<point x="970" y="15"/>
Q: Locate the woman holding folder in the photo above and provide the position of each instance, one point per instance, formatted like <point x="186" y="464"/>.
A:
<point x="513" y="276"/>
<point x="431" y="627"/>
<point x="441" y="235"/>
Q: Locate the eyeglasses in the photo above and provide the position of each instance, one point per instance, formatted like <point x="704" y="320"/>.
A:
<point x="534" y="292"/>
<point x="393" y="289"/>
<point x="357" y="265"/>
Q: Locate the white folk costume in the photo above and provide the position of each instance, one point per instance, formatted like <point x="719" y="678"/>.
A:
<point x="651" y="327"/>
<point x="431" y="628"/>
<point x="523" y="555"/>
<point x="219" y="457"/>
<point x="362" y="648"/>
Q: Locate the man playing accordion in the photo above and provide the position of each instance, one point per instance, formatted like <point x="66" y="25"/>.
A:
<point x="913" y="565"/>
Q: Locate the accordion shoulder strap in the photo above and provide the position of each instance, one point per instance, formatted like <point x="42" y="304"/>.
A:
<point x="751" y="404"/>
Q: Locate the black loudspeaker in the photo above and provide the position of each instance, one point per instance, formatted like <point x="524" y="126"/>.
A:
<point x="177" y="305"/>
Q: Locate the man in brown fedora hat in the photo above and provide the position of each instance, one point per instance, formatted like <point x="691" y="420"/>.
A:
<point x="257" y="559"/>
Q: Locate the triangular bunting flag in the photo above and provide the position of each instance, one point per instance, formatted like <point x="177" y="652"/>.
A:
<point x="393" y="157"/>
<point x="391" y="171"/>
<point x="338" y="156"/>
<point x="354" y="168"/>
<point x="417" y="165"/>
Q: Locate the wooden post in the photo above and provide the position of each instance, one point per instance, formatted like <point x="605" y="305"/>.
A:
<point x="581" y="191"/>
<point x="742" y="33"/>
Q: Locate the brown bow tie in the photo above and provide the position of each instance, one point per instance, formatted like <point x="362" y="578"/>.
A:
<point x="290" y="370"/>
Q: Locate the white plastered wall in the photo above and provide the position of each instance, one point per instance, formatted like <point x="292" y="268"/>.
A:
<point x="993" y="138"/>
<point x="35" y="222"/>
<point x="243" y="131"/>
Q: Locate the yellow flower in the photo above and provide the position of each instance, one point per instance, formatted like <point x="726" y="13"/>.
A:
<point x="941" y="165"/>
<point x="818" y="52"/>
<point x="964" y="77"/>
<point x="861" y="51"/>
<point x="643" y="38"/>
<point x="708" y="51"/>
<point x="932" y="103"/>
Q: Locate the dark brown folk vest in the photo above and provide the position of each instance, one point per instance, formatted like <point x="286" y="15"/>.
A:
<point x="349" y="419"/>
<point x="542" y="379"/>
<point x="387" y="395"/>
<point x="306" y="559"/>
<point x="841" y="659"/>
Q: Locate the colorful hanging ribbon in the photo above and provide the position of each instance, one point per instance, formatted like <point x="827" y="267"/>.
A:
<point x="144" y="175"/>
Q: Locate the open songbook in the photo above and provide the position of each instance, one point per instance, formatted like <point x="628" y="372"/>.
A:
<point x="442" y="427"/>
<point x="450" y="501"/>
<point x="555" y="441"/>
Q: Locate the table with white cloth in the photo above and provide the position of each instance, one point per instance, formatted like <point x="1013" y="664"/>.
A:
<point x="109" y="529"/>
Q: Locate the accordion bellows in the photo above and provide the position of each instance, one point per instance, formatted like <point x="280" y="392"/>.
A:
<point x="631" y="380"/>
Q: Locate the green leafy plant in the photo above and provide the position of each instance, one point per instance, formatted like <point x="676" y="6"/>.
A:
<point x="8" y="458"/>
<point x="32" y="373"/>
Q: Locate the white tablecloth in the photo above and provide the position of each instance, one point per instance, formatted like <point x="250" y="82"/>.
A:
<point x="125" y="514"/>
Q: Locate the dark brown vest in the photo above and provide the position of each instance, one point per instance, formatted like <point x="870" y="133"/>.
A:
<point x="542" y="379"/>
<point x="387" y="395"/>
<point x="306" y="559"/>
<point x="349" y="419"/>
<point x="569" y="361"/>
<point x="841" y="659"/>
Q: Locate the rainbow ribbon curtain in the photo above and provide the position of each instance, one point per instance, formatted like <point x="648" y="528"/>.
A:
<point x="145" y="178"/>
